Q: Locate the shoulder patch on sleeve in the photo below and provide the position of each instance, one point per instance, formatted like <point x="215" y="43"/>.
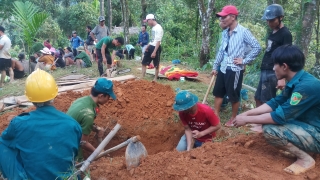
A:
<point x="295" y="98"/>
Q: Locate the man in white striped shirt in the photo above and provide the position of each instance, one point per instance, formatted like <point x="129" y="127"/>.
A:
<point x="231" y="58"/>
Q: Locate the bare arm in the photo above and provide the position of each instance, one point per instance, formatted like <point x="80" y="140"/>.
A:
<point x="210" y="130"/>
<point x="264" y="108"/>
<point x="87" y="146"/>
<point x="188" y="133"/>
<point x="93" y="36"/>
<point x="257" y="119"/>
<point x="157" y="46"/>
<point x="103" y="53"/>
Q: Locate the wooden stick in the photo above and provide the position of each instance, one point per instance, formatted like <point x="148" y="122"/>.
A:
<point x="208" y="90"/>
<point x="100" y="147"/>
<point x="249" y="87"/>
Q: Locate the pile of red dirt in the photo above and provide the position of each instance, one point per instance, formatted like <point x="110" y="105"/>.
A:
<point x="142" y="108"/>
<point x="244" y="157"/>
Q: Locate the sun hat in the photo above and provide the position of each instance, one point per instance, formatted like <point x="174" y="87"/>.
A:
<point x="184" y="100"/>
<point x="226" y="10"/>
<point x="104" y="85"/>
<point x="45" y="50"/>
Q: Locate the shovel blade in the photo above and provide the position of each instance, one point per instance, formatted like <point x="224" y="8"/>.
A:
<point x="134" y="152"/>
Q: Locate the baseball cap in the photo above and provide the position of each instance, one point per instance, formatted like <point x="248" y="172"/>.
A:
<point x="228" y="10"/>
<point x="104" y="85"/>
<point x="149" y="16"/>
<point x="101" y="18"/>
<point x="74" y="32"/>
<point x="184" y="100"/>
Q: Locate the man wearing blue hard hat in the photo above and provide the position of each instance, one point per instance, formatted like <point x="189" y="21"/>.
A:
<point x="85" y="110"/>
<point x="198" y="119"/>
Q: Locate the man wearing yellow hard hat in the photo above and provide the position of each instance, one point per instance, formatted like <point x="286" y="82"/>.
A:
<point x="32" y="146"/>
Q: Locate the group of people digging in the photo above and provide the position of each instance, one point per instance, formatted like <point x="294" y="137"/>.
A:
<point x="31" y="146"/>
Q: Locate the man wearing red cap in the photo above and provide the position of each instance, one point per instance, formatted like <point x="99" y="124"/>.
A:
<point x="231" y="58"/>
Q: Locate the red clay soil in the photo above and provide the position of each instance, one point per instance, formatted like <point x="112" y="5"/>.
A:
<point x="144" y="108"/>
<point x="244" y="157"/>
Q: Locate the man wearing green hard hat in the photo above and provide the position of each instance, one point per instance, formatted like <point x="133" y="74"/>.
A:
<point x="198" y="119"/>
<point x="85" y="110"/>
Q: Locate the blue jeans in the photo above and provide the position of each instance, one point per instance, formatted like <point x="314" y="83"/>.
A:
<point x="182" y="145"/>
<point x="10" y="167"/>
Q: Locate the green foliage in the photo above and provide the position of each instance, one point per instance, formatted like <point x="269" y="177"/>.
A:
<point x="77" y="17"/>
<point x="28" y="19"/>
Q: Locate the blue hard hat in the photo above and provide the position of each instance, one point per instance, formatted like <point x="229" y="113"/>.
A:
<point x="184" y="100"/>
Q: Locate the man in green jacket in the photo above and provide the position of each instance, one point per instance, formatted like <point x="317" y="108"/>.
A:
<point x="103" y="48"/>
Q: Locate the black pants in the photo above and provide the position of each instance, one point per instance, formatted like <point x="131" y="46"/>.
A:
<point x="75" y="52"/>
<point x="131" y="53"/>
<point x="100" y="60"/>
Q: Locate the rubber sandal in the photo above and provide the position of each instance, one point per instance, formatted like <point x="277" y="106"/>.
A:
<point x="296" y="169"/>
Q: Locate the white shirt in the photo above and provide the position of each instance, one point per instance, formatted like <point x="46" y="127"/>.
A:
<point x="156" y="35"/>
<point x="6" y="43"/>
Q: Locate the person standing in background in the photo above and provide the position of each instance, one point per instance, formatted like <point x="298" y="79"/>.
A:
<point x="143" y="39"/>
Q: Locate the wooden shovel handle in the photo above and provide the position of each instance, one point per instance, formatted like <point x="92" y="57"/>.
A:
<point x="208" y="90"/>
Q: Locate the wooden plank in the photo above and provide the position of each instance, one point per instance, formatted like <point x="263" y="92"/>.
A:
<point x="152" y="72"/>
<point x="73" y="82"/>
<point x="90" y="84"/>
<point x="122" y="78"/>
<point x="76" y="76"/>
<point x="21" y="100"/>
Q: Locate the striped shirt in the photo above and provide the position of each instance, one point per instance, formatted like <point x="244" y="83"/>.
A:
<point x="237" y="44"/>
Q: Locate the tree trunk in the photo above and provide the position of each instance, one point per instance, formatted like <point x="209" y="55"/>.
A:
<point x="304" y="32"/>
<point x="197" y="26"/>
<point x="102" y="8"/>
<point x="317" y="28"/>
<point x="125" y="20"/>
<point x="205" y="15"/>
<point x="109" y="15"/>
<point x="143" y="11"/>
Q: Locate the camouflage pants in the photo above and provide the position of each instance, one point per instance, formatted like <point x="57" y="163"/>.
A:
<point x="302" y="135"/>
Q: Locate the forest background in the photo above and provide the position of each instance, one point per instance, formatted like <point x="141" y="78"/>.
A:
<point x="191" y="29"/>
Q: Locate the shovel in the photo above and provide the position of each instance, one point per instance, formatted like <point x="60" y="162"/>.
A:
<point x="134" y="152"/>
<point x="131" y="140"/>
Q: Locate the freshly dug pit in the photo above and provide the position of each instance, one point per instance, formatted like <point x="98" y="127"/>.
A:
<point x="142" y="108"/>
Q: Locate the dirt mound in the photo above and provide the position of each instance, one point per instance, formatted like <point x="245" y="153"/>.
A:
<point x="142" y="108"/>
<point x="245" y="157"/>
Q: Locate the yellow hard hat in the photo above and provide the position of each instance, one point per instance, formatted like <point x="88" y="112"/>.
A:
<point x="40" y="86"/>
